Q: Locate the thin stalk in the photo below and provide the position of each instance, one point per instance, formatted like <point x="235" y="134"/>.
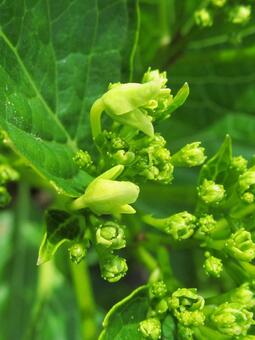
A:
<point x="85" y="299"/>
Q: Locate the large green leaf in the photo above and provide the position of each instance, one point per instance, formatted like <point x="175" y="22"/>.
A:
<point x="122" y="321"/>
<point x="56" y="58"/>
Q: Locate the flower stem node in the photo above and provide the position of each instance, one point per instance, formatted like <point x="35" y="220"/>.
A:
<point x="111" y="235"/>
<point x="190" y="155"/>
<point x="203" y="18"/>
<point x="158" y="289"/>
<point x="212" y="265"/>
<point x="5" y="197"/>
<point x="210" y="192"/>
<point x="241" y="246"/>
<point x="150" y="328"/>
<point x="104" y="195"/>
<point x="113" y="268"/>
<point x="83" y="159"/>
<point x="77" y="252"/>
<point x="187" y="306"/>
<point x="232" y="319"/>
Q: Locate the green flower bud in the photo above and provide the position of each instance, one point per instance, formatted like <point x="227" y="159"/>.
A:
<point x="241" y="246"/>
<point x="126" y="104"/>
<point x="5" y="197"/>
<point x="218" y="3"/>
<point x="111" y="235"/>
<point x="243" y="295"/>
<point x="8" y="174"/>
<point x="123" y="157"/>
<point x="247" y="179"/>
<point x="161" y="104"/>
<point x="203" y="18"/>
<point x="184" y="332"/>
<point x="187" y="306"/>
<point x="248" y="197"/>
<point x="239" y="163"/>
<point x="150" y="328"/>
<point x="107" y="196"/>
<point x="158" y="289"/>
<point x="212" y="266"/>
<point x="191" y="155"/>
<point x="77" y="252"/>
<point x="206" y="225"/>
<point x="232" y="319"/>
<point x="161" y="307"/>
<point x="181" y="225"/>
<point x="210" y="192"/>
<point x="82" y="159"/>
<point x="113" y="268"/>
<point x="240" y="14"/>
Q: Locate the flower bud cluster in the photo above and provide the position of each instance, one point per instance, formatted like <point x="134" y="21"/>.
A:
<point x="238" y="13"/>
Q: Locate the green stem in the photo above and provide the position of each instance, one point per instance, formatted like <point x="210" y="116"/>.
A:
<point x="158" y="223"/>
<point x="85" y="299"/>
<point x="95" y="117"/>
<point x="146" y="258"/>
<point x="15" y="316"/>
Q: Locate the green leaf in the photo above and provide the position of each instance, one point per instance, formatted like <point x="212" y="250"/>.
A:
<point x="60" y="228"/>
<point x="179" y="98"/>
<point x="217" y="167"/>
<point x="122" y="321"/>
<point x="168" y="328"/>
<point x="56" y="59"/>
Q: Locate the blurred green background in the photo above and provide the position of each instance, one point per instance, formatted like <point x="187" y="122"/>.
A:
<point x="218" y="63"/>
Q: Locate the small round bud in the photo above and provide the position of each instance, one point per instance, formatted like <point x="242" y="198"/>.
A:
<point x="241" y="246"/>
<point x="203" y="18"/>
<point x="240" y="14"/>
<point x="184" y="332"/>
<point x="8" y="174"/>
<point x="111" y="235"/>
<point x="232" y="319"/>
<point x="5" y="197"/>
<point x="206" y="225"/>
<point x="77" y="252"/>
<point x="210" y="192"/>
<point x="150" y="328"/>
<point x="190" y="155"/>
<point x="161" y="307"/>
<point x="187" y="306"/>
<point x="124" y="157"/>
<point x="248" y="197"/>
<point x="158" y="289"/>
<point x="212" y="266"/>
<point x="114" y="268"/>
<point x="218" y="3"/>
<point x="82" y="159"/>
<point x="243" y="295"/>
<point x="247" y="179"/>
<point x="239" y="163"/>
<point x="155" y="75"/>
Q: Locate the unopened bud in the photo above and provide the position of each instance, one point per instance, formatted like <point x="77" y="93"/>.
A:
<point x="150" y="328"/>
<point x="210" y="192"/>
